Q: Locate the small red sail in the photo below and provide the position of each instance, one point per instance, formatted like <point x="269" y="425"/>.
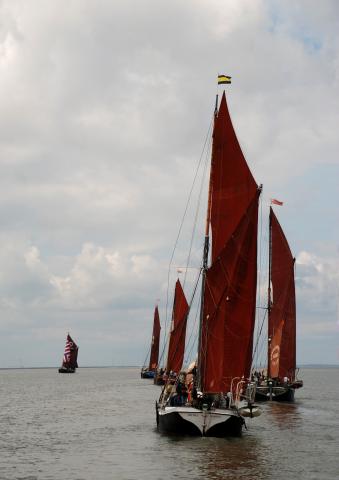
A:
<point x="70" y="359"/>
<point x="282" y="311"/>
<point x="229" y="307"/>
<point x="153" y="361"/>
<point x="232" y="184"/>
<point x="176" y="347"/>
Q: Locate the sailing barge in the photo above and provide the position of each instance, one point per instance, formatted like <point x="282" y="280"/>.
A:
<point x="150" y="370"/>
<point x="70" y="358"/>
<point x="281" y="380"/>
<point x="177" y="336"/>
<point x="217" y="395"/>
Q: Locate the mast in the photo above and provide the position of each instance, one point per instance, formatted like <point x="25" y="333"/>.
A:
<point x="205" y="258"/>
<point x="282" y="319"/>
<point x="269" y="298"/>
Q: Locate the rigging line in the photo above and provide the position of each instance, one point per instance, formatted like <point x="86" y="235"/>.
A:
<point x="194" y="341"/>
<point x="188" y="354"/>
<point x="149" y="351"/>
<point x="260" y="347"/>
<point x="180" y="228"/>
<point x="260" y="260"/>
<point x="260" y="248"/>
<point x="258" y="337"/>
<point x="198" y="207"/>
<point x="262" y="295"/>
<point x="260" y="360"/>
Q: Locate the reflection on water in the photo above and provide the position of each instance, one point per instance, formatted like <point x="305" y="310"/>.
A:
<point x="217" y="458"/>
<point x="236" y="458"/>
<point x="284" y="415"/>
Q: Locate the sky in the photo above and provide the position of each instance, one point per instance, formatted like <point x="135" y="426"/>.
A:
<point x="105" y="107"/>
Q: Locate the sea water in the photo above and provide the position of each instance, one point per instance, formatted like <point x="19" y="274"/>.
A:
<point x="100" y="424"/>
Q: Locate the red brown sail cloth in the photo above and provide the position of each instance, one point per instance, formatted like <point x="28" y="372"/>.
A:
<point x="274" y="351"/>
<point x="282" y="308"/>
<point x="229" y="307"/>
<point x="232" y="184"/>
<point x="70" y="359"/>
<point x="176" y="347"/>
<point x="153" y="361"/>
<point x="230" y="287"/>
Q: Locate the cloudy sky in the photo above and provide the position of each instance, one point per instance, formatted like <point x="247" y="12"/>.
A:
<point x="105" y="107"/>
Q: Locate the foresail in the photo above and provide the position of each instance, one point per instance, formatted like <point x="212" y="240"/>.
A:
<point x="153" y="361"/>
<point x="229" y="307"/>
<point x="176" y="347"/>
<point x="282" y="312"/>
<point x="232" y="184"/>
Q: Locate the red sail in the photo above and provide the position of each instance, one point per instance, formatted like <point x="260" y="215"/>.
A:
<point x="282" y="308"/>
<point x="153" y="360"/>
<point x="230" y="284"/>
<point x="232" y="184"/>
<point x="176" y="347"/>
<point x="70" y="359"/>
<point x="229" y="307"/>
<point x="274" y="351"/>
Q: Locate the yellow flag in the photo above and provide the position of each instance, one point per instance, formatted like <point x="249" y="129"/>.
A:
<point x="222" y="79"/>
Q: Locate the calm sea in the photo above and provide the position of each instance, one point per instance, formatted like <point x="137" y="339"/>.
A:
<point x="100" y="424"/>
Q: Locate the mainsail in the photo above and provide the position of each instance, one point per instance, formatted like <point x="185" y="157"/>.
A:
<point x="232" y="185"/>
<point x="70" y="359"/>
<point x="282" y="308"/>
<point x="153" y="361"/>
<point x="229" y="296"/>
<point x="176" y="346"/>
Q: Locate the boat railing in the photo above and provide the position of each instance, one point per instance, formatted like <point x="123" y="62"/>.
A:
<point x="169" y="390"/>
<point x="250" y="392"/>
<point x="238" y="393"/>
<point x="235" y="391"/>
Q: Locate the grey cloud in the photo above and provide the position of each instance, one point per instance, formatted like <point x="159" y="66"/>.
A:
<point x="105" y="108"/>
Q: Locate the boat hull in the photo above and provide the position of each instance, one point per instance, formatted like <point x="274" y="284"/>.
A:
<point x="147" y="374"/>
<point x="206" y="423"/>
<point x="66" y="370"/>
<point x="277" y="394"/>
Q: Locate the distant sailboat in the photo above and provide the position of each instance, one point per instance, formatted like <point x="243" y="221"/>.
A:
<point x="176" y="347"/>
<point x="150" y="370"/>
<point x="177" y="336"/>
<point x="70" y="359"/>
<point x="281" y="381"/>
<point x="221" y="394"/>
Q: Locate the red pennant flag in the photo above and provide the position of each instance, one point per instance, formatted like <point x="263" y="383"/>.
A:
<point x="274" y="201"/>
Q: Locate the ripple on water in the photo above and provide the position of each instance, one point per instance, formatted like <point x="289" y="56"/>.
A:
<point x="100" y="424"/>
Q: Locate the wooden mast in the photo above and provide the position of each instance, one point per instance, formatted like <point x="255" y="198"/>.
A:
<point x="205" y="258"/>
<point x="269" y="297"/>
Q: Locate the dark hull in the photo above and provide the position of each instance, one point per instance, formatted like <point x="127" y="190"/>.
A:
<point x="173" y="423"/>
<point x="276" y="394"/>
<point x="66" y="370"/>
<point x="147" y="374"/>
